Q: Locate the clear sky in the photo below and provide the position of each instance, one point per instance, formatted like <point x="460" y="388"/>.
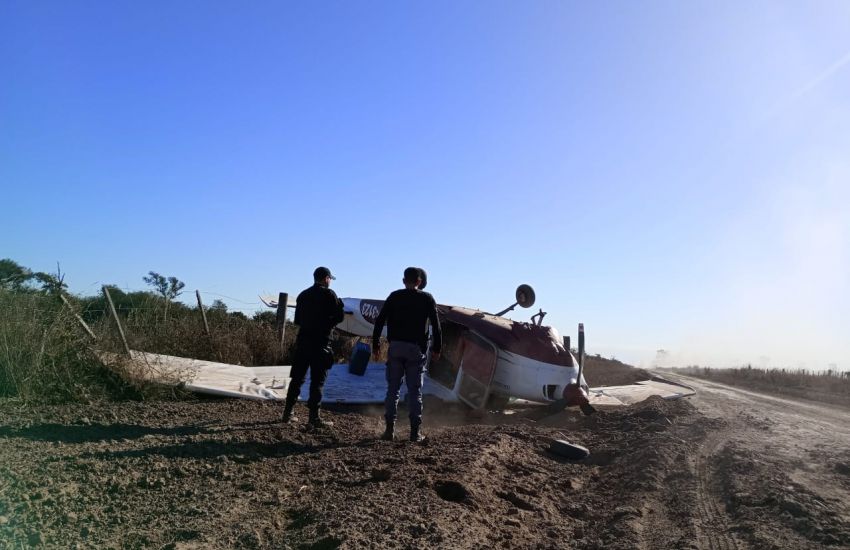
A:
<point x="674" y="174"/>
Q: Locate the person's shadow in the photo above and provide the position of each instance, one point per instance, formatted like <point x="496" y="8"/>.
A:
<point x="90" y="433"/>
<point x="239" y="452"/>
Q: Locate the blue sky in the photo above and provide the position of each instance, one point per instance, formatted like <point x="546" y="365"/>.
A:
<point x="674" y="174"/>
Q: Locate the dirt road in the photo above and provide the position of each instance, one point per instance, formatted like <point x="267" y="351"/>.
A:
<point x="774" y="474"/>
<point x="725" y="469"/>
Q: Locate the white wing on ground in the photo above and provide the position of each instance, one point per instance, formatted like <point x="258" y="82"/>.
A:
<point x="205" y="376"/>
<point x="267" y="383"/>
<point x="634" y="393"/>
<point x="271" y="383"/>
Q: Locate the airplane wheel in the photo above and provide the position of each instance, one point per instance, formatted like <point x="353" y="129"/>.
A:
<point x="568" y="450"/>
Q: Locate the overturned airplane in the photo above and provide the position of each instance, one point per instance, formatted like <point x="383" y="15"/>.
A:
<point x="487" y="362"/>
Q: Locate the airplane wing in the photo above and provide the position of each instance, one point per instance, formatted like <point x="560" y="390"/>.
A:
<point x="206" y="377"/>
<point x="639" y="391"/>
<point x="271" y="383"/>
<point x="264" y="383"/>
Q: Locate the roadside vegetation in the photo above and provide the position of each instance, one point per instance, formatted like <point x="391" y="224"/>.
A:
<point x="46" y="355"/>
<point x="42" y="356"/>
<point x="827" y="386"/>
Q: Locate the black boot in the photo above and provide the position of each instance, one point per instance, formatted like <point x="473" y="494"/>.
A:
<point x="288" y="418"/>
<point x="416" y="434"/>
<point x="317" y="422"/>
<point x="389" y="433"/>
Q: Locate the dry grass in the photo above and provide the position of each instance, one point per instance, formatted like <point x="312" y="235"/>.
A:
<point x="46" y="356"/>
<point x="233" y="339"/>
<point x="828" y="386"/>
<point x="43" y="356"/>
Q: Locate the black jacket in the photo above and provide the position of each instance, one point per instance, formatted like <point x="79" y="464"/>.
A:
<point x="406" y="313"/>
<point x="317" y="311"/>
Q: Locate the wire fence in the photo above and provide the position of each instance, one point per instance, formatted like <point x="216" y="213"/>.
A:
<point x="57" y="347"/>
<point x="249" y="334"/>
<point x="230" y="298"/>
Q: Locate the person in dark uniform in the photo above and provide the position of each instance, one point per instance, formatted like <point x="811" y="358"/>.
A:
<point x="407" y="313"/>
<point x="317" y="311"/>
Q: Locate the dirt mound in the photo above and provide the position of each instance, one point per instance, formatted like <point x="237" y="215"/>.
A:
<point x="599" y="371"/>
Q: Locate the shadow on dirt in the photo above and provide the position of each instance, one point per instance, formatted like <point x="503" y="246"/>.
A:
<point x="239" y="452"/>
<point x="438" y="413"/>
<point x="327" y="543"/>
<point x="92" y="433"/>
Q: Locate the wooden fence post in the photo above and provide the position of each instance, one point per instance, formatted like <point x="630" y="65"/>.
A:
<point x="203" y="314"/>
<point x="117" y="321"/>
<point x="207" y="325"/>
<point x="282" y="302"/>
<point x="77" y="316"/>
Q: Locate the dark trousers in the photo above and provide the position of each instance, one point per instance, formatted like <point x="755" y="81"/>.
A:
<point x="319" y="359"/>
<point x="405" y="361"/>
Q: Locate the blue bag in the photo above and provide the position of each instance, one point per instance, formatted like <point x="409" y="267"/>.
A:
<point x="359" y="359"/>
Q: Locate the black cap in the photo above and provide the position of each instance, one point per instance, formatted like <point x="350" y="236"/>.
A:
<point x="321" y="272"/>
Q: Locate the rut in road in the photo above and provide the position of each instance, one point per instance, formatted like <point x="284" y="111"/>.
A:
<point x="712" y="527"/>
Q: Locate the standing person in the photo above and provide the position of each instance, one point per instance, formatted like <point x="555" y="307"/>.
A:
<point x="406" y="313"/>
<point x="317" y="311"/>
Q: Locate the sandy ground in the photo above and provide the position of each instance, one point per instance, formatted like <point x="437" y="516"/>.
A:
<point x="724" y="469"/>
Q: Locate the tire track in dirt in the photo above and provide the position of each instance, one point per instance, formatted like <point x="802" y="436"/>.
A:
<point x="778" y="473"/>
<point x="712" y="525"/>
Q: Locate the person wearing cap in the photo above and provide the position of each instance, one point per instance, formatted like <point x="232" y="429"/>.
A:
<point x="407" y="313"/>
<point x="317" y="311"/>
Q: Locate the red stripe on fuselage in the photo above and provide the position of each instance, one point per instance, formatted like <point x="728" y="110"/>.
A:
<point x="535" y="342"/>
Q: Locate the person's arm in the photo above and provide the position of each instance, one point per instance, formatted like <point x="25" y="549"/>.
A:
<point x="298" y="310"/>
<point x="436" y="332"/>
<point x="379" y="327"/>
<point x="336" y="307"/>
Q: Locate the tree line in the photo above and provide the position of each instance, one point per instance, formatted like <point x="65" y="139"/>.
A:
<point x="164" y="293"/>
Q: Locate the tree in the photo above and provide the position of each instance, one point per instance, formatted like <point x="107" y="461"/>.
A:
<point x="18" y="278"/>
<point x="50" y="283"/>
<point x="14" y="276"/>
<point x="167" y="287"/>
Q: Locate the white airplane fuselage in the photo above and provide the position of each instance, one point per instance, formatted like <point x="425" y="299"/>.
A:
<point x="523" y="361"/>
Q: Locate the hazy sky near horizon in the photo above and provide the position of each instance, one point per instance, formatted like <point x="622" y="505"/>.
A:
<point x="675" y="175"/>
